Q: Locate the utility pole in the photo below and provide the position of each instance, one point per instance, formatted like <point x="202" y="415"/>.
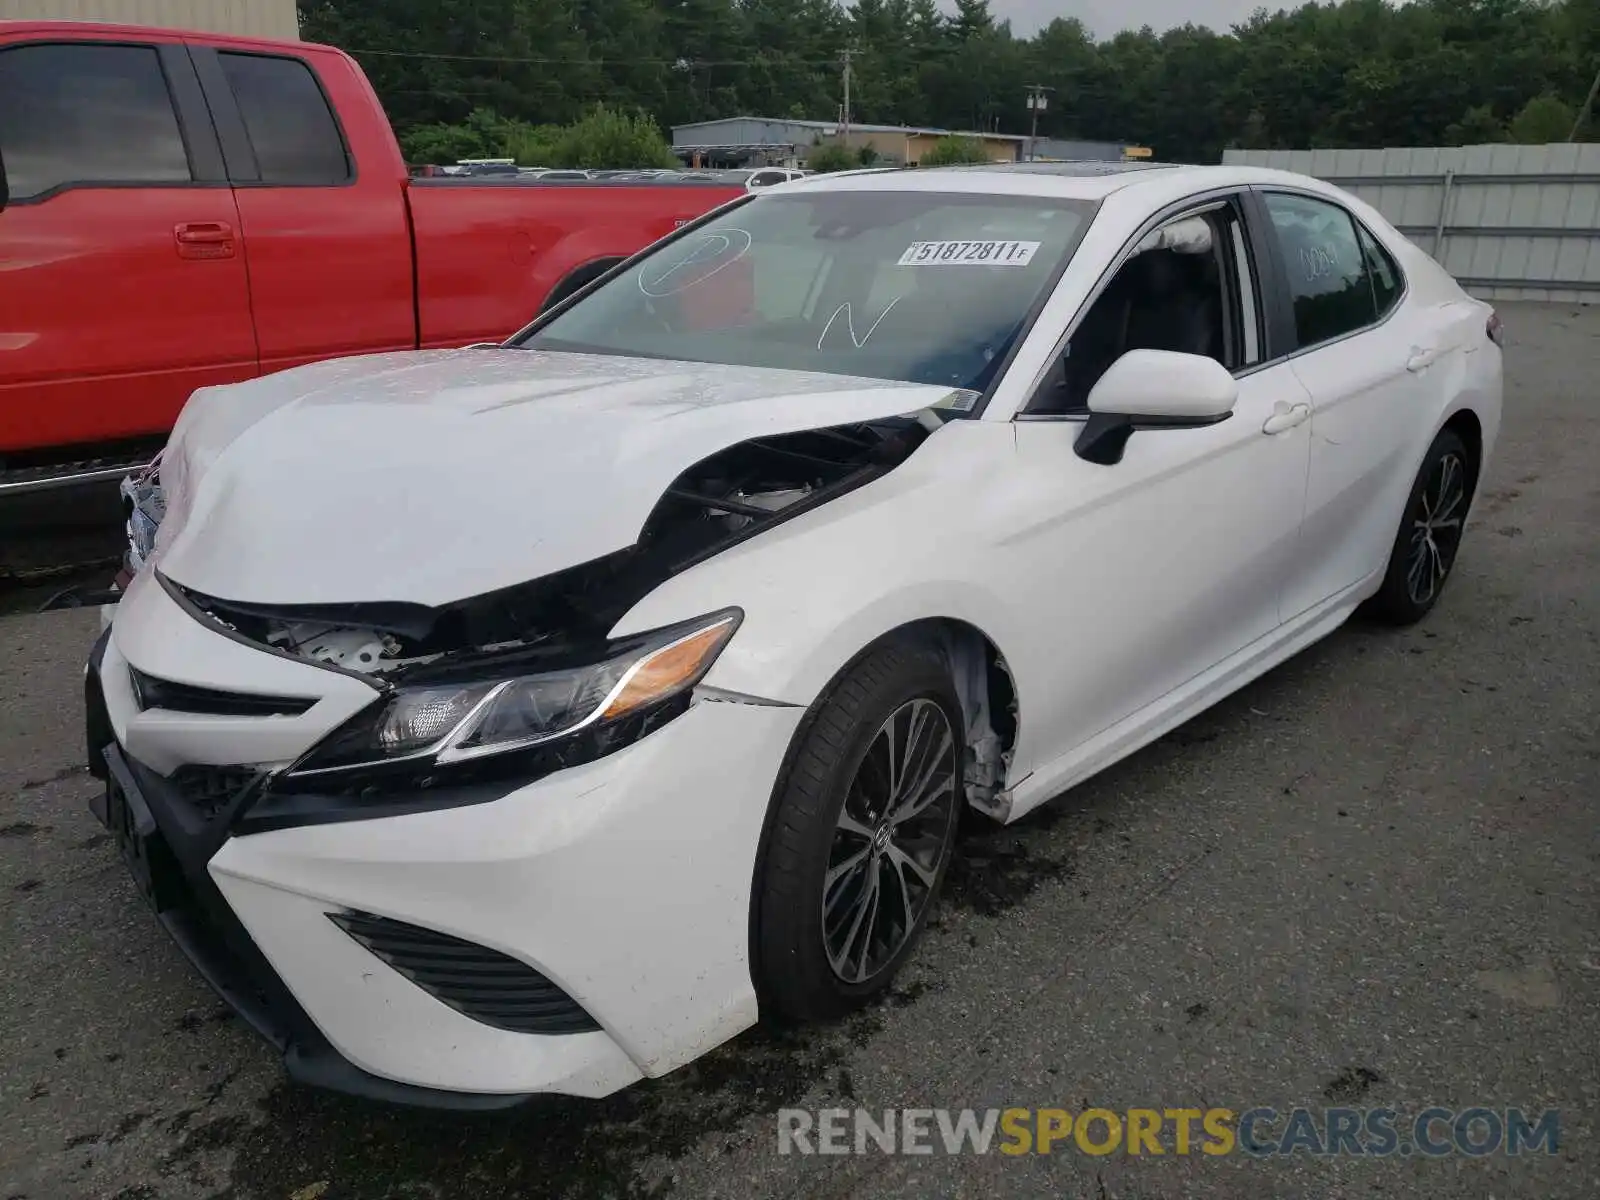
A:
<point x="1037" y="103"/>
<point x="846" y="122"/>
<point x="1588" y="104"/>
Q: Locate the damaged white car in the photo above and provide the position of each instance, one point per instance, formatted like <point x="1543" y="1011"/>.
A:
<point x="526" y="718"/>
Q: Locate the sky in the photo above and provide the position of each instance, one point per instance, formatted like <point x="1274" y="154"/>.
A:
<point x="1106" y="17"/>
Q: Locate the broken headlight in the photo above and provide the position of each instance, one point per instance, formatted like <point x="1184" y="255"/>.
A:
<point x="459" y="722"/>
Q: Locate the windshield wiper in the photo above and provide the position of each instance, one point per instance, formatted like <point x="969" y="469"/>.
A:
<point x="560" y="346"/>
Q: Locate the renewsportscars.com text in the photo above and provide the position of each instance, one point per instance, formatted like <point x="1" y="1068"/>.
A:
<point x="1258" y="1132"/>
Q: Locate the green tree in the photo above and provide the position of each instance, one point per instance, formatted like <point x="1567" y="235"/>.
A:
<point x="609" y="138"/>
<point x="1479" y="127"/>
<point x="955" y="151"/>
<point x="482" y="135"/>
<point x="827" y="157"/>
<point x="1339" y="73"/>
<point x="1543" y="119"/>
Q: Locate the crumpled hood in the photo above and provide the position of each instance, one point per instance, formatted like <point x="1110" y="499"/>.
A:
<point x="430" y="477"/>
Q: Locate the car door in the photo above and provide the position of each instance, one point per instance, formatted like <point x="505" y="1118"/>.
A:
<point x="1138" y="578"/>
<point x="122" y="276"/>
<point x="1368" y="361"/>
<point x="323" y="210"/>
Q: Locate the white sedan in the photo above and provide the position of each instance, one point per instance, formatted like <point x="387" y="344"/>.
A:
<point x="526" y="718"/>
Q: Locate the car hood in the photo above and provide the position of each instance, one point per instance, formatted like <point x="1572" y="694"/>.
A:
<point x="432" y="476"/>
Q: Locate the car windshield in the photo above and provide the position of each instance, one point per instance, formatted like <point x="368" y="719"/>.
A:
<point x="925" y="287"/>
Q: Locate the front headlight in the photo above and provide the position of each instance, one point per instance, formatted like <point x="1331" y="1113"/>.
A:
<point x="457" y="722"/>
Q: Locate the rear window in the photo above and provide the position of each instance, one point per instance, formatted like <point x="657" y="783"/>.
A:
<point x="923" y="287"/>
<point x="86" y="114"/>
<point x="291" y="128"/>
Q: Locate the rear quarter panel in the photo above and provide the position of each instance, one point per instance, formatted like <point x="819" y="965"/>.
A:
<point x="488" y="253"/>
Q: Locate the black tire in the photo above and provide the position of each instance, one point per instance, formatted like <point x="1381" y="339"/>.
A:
<point x="1424" y="553"/>
<point x="838" y="759"/>
<point x="581" y="278"/>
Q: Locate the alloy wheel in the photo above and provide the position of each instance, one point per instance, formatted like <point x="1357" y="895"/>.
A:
<point x="1436" y="530"/>
<point x="891" y="836"/>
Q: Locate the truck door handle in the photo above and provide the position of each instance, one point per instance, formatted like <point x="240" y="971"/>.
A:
<point x="1286" y="417"/>
<point x="204" y="239"/>
<point x="1421" y="359"/>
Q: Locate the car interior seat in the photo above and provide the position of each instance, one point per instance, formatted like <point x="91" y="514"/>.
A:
<point x="1167" y="297"/>
<point x="1174" y="306"/>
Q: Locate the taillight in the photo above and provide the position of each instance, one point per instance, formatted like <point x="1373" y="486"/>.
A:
<point x="1497" y="329"/>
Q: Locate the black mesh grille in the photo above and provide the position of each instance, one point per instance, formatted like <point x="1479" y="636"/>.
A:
<point x="151" y="692"/>
<point x="481" y="983"/>
<point x="209" y="790"/>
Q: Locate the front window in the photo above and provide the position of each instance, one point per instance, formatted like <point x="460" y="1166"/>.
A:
<point x="923" y="287"/>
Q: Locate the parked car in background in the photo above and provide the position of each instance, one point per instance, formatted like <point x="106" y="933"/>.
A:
<point x="182" y="209"/>
<point x="638" y="676"/>
<point x="762" y="177"/>
<point x="484" y="166"/>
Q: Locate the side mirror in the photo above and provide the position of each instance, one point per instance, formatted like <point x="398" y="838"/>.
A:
<point x="1154" y="389"/>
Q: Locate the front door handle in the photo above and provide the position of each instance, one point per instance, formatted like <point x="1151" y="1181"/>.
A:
<point x="1421" y="359"/>
<point x="1286" y="417"/>
<point x="204" y="239"/>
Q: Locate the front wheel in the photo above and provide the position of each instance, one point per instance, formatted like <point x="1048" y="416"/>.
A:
<point x="1429" y="537"/>
<point x="862" y="834"/>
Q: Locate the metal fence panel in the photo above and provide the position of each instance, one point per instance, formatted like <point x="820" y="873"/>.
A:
<point x="253" y="18"/>
<point x="1510" y="222"/>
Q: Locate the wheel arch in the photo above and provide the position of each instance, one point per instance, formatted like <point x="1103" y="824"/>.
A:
<point x="1467" y="426"/>
<point x="972" y="656"/>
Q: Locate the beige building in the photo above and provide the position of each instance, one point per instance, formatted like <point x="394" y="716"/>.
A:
<point x="253" y="18"/>
<point x="907" y="145"/>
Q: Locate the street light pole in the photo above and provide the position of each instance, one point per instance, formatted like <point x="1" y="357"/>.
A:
<point x="846" y="123"/>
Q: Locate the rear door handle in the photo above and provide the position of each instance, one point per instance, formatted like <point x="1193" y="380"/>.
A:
<point x="204" y="239"/>
<point x="1421" y="359"/>
<point x="1286" y="417"/>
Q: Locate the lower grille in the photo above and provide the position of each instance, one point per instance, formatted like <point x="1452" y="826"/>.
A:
<point x="491" y="988"/>
<point x="210" y="790"/>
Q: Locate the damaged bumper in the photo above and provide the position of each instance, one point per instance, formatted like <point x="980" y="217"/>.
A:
<point x="571" y="934"/>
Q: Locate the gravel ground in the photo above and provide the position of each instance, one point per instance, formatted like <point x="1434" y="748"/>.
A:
<point x="1371" y="878"/>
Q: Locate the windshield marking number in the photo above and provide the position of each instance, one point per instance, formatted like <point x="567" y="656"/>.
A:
<point x="968" y="254"/>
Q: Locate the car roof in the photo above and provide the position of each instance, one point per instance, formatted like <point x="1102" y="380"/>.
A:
<point x="1158" y="182"/>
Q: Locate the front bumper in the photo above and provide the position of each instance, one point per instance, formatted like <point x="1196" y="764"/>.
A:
<point x="624" y="882"/>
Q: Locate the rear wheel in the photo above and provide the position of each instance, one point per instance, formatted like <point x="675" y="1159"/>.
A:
<point x="1429" y="536"/>
<point x="863" y="832"/>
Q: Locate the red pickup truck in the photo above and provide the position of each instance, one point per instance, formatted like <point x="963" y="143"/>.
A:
<point x="183" y="209"/>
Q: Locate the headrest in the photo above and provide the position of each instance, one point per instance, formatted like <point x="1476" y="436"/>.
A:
<point x="1192" y="235"/>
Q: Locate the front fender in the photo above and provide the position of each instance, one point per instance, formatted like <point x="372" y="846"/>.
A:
<point x="817" y="590"/>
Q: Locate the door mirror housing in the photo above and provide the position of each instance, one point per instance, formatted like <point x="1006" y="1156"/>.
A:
<point x="1154" y="389"/>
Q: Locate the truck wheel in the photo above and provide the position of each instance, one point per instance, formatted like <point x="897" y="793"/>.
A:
<point x="580" y="278"/>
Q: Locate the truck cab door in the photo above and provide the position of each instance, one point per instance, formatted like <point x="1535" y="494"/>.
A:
<point x="321" y="196"/>
<point x="122" y="272"/>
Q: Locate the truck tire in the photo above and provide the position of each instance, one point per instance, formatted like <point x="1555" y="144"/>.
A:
<point x="579" y="278"/>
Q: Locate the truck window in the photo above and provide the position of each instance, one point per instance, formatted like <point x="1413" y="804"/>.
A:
<point x="87" y="114"/>
<point x="291" y="127"/>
